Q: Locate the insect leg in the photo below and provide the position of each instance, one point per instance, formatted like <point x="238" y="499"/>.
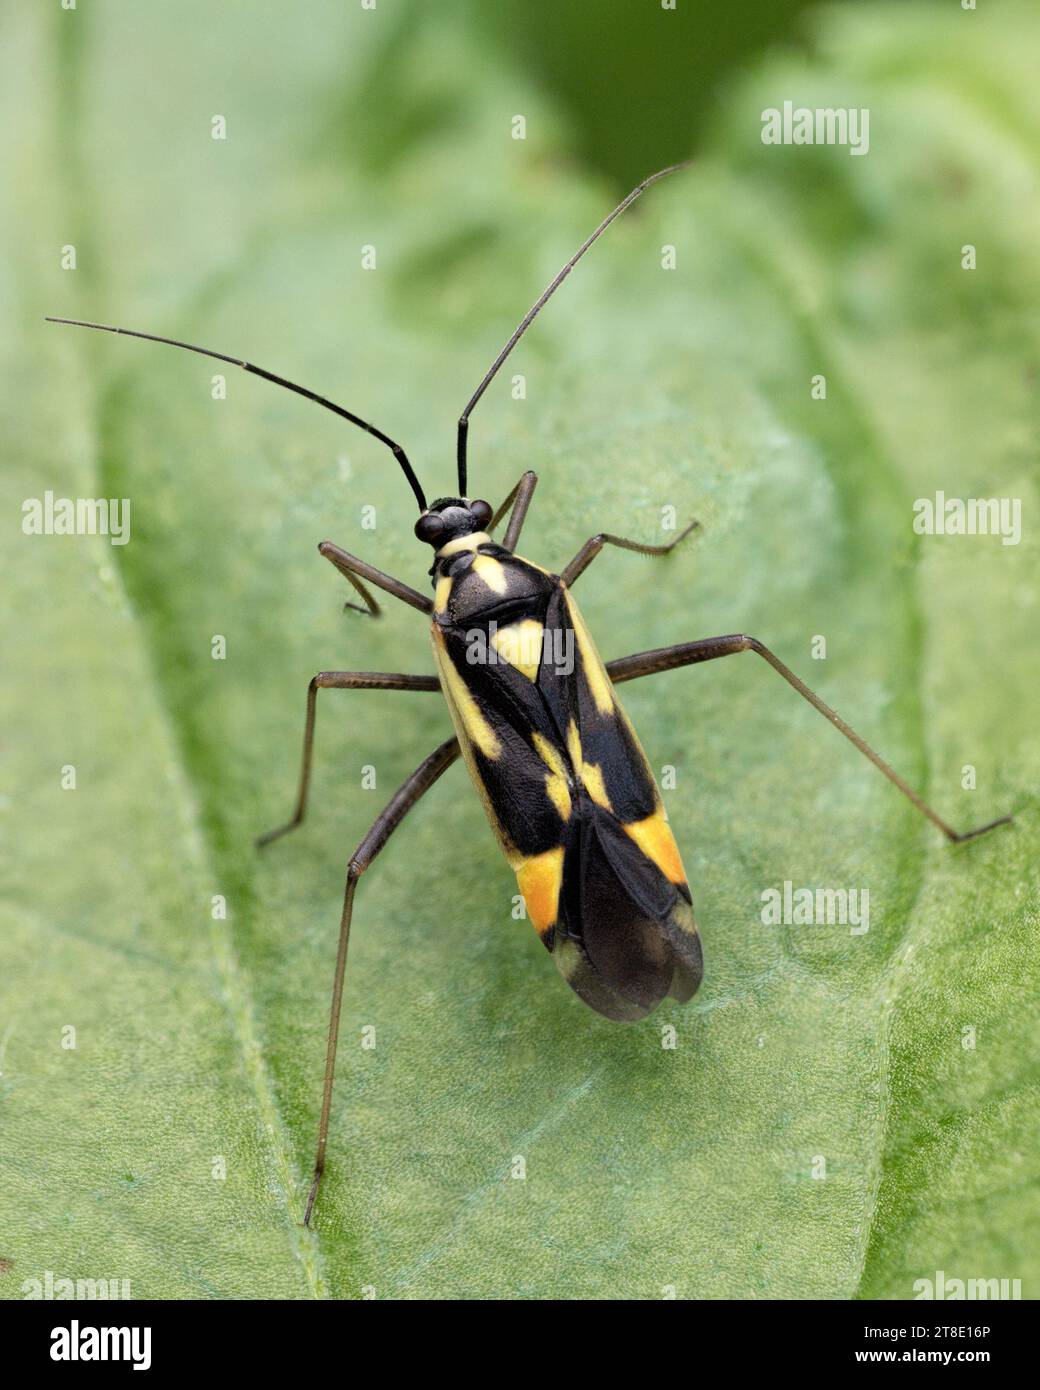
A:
<point x="595" y="544"/>
<point x="629" y="668"/>
<point x="350" y="565"/>
<point x="521" y="495"/>
<point x="371" y="608"/>
<point x="402" y="801"/>
<point x="337" y="680"/>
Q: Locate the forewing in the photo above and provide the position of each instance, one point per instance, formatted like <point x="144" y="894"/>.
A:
<point x="627" y="935"/>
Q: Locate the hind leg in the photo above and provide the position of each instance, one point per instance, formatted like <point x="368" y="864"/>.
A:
<point x="629" y="668"/>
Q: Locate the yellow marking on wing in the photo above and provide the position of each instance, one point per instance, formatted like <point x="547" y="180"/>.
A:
<point x="539" y="880"/>
<point x="559" y="794"/>
<point x="556" y="780"/>
<point x="521" y="645"/>
<point x="574" y="747"/>
<point x="549" y="755"/>
<point x="466" y="714"/>
<point x="442" y="593"/>
<point x="492" y="572"/>
<point x="682" y="916"/>
<point x="592" y="776"/>
<point x="595" y="671"/>
<point x="654" y="837"/>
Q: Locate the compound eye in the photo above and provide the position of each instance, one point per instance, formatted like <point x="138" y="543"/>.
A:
<point x="430" y="527"/>
<point x="481" y="512"/>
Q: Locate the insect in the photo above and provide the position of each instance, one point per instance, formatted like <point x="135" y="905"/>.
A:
<point x="565" y="784"/>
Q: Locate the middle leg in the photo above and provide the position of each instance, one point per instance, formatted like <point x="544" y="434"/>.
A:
<point x="336" y="680"/>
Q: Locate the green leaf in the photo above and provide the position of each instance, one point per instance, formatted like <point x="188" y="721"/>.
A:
<point x="809" y="1049"/>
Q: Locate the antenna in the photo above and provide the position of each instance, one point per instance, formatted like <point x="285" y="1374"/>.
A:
<point x="539" y="303"/>
<point x="398" y="453"/>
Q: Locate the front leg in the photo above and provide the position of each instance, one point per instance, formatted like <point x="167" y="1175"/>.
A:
<point x="630" y="668"/>
<point x="350" y="567"/>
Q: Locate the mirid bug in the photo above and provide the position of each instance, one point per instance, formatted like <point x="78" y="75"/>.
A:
<point x="565" y="784"/>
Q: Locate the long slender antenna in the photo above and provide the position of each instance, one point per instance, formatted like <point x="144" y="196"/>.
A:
<point x="398" y="453"/>
<point x="539" y="303"/>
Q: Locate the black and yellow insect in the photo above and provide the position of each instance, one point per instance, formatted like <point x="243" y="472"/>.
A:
<point x="564" y="782"/>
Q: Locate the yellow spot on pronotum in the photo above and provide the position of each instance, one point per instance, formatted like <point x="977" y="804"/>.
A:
<point x="521" y="645"/>
<point x="492" y="572"/>
<point x="539" y="880"/>
<point x="455" y="547"/>
<point x="442" y="593"/>
<point x="654" y="837"/>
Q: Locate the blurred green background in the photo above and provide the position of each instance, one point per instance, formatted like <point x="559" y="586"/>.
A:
<point x="823" y="1128"/>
